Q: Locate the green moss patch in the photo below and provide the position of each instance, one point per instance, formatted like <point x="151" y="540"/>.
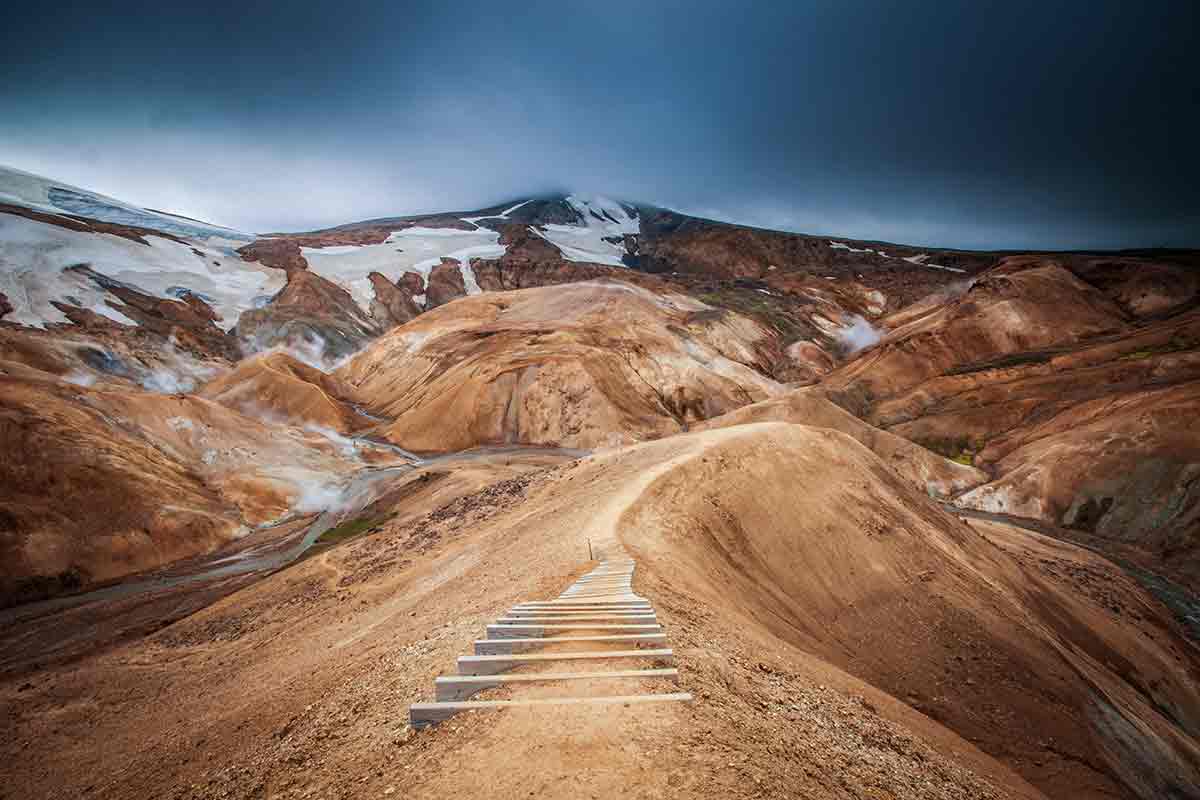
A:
<point x="347" y="530"/>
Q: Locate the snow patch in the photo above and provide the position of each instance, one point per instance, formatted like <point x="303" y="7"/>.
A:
<point x="585" y="242"/>
<point x="502" y="215"/>
<point x="34" y="255"/>
<point x="423" y="249"/>
<point x="921" y="260"/>
<point x="105" y="310"/>
<point x="848" y="248"/>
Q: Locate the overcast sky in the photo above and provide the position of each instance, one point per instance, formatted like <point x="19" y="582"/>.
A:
<point x="970" y="124"/>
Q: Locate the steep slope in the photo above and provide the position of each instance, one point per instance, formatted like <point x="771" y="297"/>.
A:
<point x="309" y="313"/>
<point x="845" y="561"/>
<point x="1001" y="312"/>
<point x="1126" y="467"/>
<point x="277" y="385"/>
<point x="926" y="471"/>
<point x="26" y="190"/>
<point x="104" y="481"/>
<point x="842" y="636"/>
<point x="577" y="365"/>
<point x="85" y="501"/>
<point x="1078" y="399"/>
<point x="677" y="243"/>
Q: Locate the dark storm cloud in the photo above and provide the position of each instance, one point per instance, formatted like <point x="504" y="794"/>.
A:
<point x="971" y="124"/>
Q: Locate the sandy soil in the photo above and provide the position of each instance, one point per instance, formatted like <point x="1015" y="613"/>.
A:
<point x="298" y="685"/>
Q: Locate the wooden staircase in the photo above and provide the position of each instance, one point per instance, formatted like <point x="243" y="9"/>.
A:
<point x="596" y="633"/>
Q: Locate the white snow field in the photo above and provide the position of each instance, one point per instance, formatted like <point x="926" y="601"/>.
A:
<point x="417" y="249"/>
<point x="34" y="254"/>
<point x="585" y="242"/>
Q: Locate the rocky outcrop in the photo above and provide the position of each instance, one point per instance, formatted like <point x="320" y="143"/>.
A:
<point x="445" y="284"/>
<point x="531" y="261"/>
<point x="310" y="312"/>
<point x="392" y="304"/>
<point x="85" y="225"/>
<point x="189" y="323"/>
<point x="279" y="253"/>
<point x="412" y="283"/>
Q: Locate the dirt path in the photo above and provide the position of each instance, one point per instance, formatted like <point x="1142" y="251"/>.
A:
<point x="299" y="685"/>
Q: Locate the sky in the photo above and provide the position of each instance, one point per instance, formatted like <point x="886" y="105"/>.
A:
<point x="973" y="124"/>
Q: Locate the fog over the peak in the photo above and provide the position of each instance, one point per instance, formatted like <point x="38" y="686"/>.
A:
<point x="1023" y="124"/>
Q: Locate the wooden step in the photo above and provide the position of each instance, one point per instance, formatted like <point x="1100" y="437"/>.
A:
<point x="602" y="581"/>
<point x="588" y="619"/>
<point x="621" y="587"/>
<point x="588" y="603"/>
<point x="567" y="617"/>
<point x="460" y="687"/>
<point x="490" y="665"/>
<point x="619" y="592"/>
<point x="582" y="610"/>
<point x="559" y="601"/>
<point x="530" y="631"/>
<point x="423" y="714"/>
<point x="499" y="647"/>
<point x="594" y="609"/>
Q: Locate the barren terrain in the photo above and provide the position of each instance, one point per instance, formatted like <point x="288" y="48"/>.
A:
<point x="917" y="523"/>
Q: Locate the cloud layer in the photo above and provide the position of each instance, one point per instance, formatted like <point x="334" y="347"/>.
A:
<point x="1035" y="124"/>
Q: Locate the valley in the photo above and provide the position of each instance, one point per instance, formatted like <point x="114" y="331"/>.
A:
<point x="918" y="522"/>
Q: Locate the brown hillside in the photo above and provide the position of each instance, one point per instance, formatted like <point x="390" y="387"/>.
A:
<point x="581" y="365"/>
<point x="276" y="385"/>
